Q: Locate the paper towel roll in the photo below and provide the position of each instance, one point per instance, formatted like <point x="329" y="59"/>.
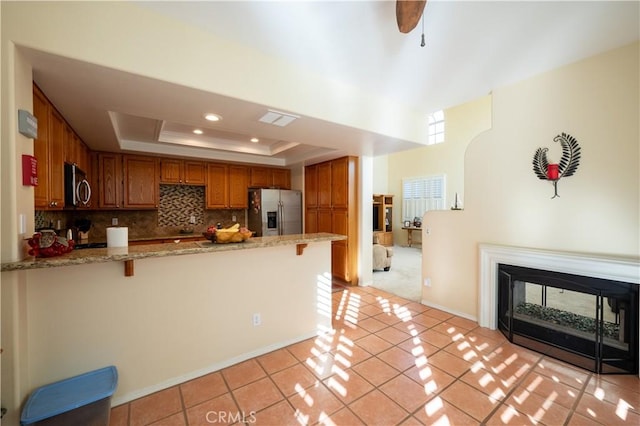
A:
<point x="117" y="236"/>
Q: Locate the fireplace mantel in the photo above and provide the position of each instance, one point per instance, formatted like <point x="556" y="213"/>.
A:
<point x="611" y="268"/>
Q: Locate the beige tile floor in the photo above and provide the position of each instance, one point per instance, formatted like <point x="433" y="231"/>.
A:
<point x="390" y="361"/>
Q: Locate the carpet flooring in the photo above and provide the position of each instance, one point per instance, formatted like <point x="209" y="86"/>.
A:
<point x="405" y="275"/>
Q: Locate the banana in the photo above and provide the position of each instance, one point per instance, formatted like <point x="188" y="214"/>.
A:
<point x="234" y="228"/>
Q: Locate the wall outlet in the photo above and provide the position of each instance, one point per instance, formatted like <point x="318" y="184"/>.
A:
<point x="192" y="219"/>
<point x="427" y="282"/>
<point x="114" y="221"/>
<point x="233" y="218"/>
<point x="257" y="320"/>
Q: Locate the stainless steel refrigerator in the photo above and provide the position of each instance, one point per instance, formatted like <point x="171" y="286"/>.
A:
<point x="275" y="212"/>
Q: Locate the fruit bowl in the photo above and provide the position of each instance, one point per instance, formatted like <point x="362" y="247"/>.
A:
<point x="232" y="237"/>
<point x="211" y="236"/>
<point x="222" y="237"/>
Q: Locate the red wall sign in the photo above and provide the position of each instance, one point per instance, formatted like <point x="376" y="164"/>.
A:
<point x="29" y="170"/>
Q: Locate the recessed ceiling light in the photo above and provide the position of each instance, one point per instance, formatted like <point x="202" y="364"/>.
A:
<point x="212" y="117"/>
<point x="197" y="131"/>
<point x="255" y="140"/>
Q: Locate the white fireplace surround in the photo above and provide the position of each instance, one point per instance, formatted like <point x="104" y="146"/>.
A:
<point x="610" y="268"/>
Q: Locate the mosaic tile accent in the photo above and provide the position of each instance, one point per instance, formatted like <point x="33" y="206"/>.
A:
<point x="178" y="203"/>
<point x="50" y="219"/>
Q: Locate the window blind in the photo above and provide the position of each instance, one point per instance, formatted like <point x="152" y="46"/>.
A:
<point x="422" y="194"/>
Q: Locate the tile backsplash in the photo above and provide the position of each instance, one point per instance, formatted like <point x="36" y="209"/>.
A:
<point x="177" y="204"/>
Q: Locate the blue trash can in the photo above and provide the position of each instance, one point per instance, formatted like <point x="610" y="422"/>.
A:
<point x="79" y="400"/>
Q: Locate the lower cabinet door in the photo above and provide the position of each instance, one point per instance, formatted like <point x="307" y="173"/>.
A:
<point x="311" y="221"/>
<point x="340" y="260"/>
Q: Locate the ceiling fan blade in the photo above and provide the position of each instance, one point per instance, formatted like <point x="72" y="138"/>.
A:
<point x="408" y="13"/>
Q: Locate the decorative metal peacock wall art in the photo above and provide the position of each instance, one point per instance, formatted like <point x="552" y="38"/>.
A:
<point x="555" y="171"/>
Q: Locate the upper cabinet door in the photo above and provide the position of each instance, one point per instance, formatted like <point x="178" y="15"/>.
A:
<point x="311" y="187"/>
<point x="261" y="177"/>
<point x="217" y="192"/>
<point x="324" y="185"/>
<point x="110" y="180"/>
<point x="141" y="182"/>
<point x="195" y="172"/>
<point x="170" y="170"/>
<point x="238" y="187"/>
<point x="41" y="149"/>
<point x="57" y="136"/>
<point x="340" y="183"/>
<point x="281" y="178"/>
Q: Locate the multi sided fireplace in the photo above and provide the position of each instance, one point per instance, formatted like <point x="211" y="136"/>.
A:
<point x="589" y="322"/>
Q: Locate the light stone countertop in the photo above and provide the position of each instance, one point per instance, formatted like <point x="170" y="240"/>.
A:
<point x="99" y="255"/>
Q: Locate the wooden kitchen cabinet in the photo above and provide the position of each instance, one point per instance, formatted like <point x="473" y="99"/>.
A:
<point x="195" y="172"/>
<point x="141" y="182"/>
<point x="311" y="221"/>
<point x="227" y="186"/>
<point x="340" y="261"/>
<point x="238" y="187"/>
<point x="56" y="144"/>
<point x="311" y="187"/>
<point x="260" y="177"/>
<point x="127" y="181"/>
<point x="76" y="152"/>
<point x="333" y="187"/>
<point x="171" y="170"/>
<point x="281" y="178"/>
<point x="340" y="183"/>
<point x="41" y="148"/>
<point x="56" y="159"/>
<point x="83" y="156"/>
<point x="69" y="146"/>
<point x="269" y="177"/>
<point x="49" y="151"/>
<point x="217" y="191"/>
<point x="182" y="172"/>
<point x="109" y="180"/>
<point x="383" y="219"/>
<point x="324" y="185"/>
<point x="324" y="220"/>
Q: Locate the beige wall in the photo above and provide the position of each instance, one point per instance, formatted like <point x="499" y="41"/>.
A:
<point x="177" y="318"/>
<point x="462" y="123"/>
<point x="597" y="102"/>
<point x="15" y="198"/>
<point x="380" y="179"/>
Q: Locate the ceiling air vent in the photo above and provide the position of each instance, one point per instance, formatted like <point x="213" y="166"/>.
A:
<point x="278" y="118"/>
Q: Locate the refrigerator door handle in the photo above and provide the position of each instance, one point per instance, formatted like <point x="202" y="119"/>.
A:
<point x="282" y="218"/>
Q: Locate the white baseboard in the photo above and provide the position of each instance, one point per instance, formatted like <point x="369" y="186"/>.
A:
<point x="123" y="399"/>
<point x="451" y="311"/>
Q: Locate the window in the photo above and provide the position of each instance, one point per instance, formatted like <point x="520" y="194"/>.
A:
<point x="422" y="194"/>
<point x="436" y="127"/>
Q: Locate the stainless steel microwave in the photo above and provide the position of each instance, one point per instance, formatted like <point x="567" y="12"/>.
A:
<point x="77" y="191"/>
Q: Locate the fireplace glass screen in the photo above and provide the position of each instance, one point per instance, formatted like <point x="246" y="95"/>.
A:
<point x="588" y="322"/>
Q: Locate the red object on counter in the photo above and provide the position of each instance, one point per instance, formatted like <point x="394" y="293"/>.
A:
<point x="552" y="171"/>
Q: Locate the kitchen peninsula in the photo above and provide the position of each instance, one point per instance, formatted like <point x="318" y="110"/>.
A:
<point x="190" y="309"/>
